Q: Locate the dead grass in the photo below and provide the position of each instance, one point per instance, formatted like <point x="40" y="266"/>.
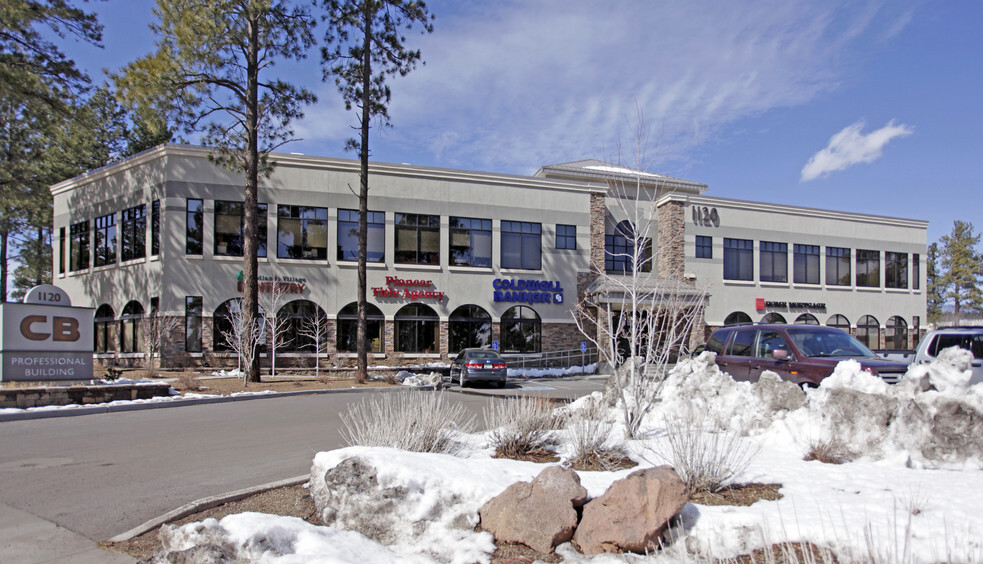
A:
<point x="738" y="494"/>
<point x="227" y="386"/>
<point x="827" y="451"/>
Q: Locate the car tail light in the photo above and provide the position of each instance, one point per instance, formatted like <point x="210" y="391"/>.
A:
<point x="475" y="365"/>
<point x="498" y="366"/>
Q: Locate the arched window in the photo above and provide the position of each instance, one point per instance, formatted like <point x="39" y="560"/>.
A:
<point x="347" y="334"/>
<point x="737" y="318"/>
<point x="468" y="326"/>
<point x="226" y="315"/>
<point x="773" y="318"/>
<point x="521" y="330"/>
<point x="806" y="319"/>
<point x="298" y="317"/>
<point x="869" y="332"/>
<point x="838" y="321"/>
<point x="417" y="328"/>
<point x="104" y="329"/>
<point x="620" y="254"/>
<point x="131" y="328"/>
<point x="896" y="333"/>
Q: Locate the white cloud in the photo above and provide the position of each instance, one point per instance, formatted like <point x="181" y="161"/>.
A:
<point x="512" y="85"/>
<point x="850" y="146"/>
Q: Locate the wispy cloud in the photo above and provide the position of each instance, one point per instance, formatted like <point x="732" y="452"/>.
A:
<point x="850" y="146"/>
<point x="522" y="83"/>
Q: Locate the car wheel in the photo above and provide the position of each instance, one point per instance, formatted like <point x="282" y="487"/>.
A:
<point x="502" y="384"/>
<point x="461" y="378"/>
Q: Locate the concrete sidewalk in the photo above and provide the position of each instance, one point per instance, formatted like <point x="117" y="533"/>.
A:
<point x="26" y="539"/>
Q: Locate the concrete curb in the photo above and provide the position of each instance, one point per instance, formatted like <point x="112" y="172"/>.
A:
<point x="203" y="504"/>
<point x="96" y="409"/>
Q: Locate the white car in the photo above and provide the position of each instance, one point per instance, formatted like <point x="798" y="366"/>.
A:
<point x="937" y="340"/>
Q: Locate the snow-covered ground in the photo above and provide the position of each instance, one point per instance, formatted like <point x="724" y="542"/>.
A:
<point x="912" y="492"/>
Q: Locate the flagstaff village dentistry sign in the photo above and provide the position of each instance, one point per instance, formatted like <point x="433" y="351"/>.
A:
<point x="45" y="338"/>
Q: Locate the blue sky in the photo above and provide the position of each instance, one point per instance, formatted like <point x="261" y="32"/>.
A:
<point x="861" y="106"/>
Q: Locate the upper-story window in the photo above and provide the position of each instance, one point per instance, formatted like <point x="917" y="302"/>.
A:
<point x="79" y="233"/>
<point x="417" y="238"/>
<point x="704" y="246"/>
<point x="738" y="259"/>
<point x="774" y="261"/>
<point x="916" y="272"/>
<point x="105" y="240"/>
<point x="133" y="232"/>
<point x="806" y="264"/>
<point x="470" y="242"/>
<point x="229" y="220"/>
<point x="895" y="270"/>
<point x="838" y="261"/>
<point x="566" y="236"/>
<point x="868" y="268"/>
<point x="348" y="236"/>
<point x="155" y="228"/>
<point x="621" y="254"/>
<point x="193" y="240"/>
<point x="62" y="255"/>
<point x="522" y="245"/>
<point x="302" y="232"/>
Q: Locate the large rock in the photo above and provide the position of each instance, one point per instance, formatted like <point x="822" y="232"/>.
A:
<point x="633" y="513"/>
<point x="540" y="514"/>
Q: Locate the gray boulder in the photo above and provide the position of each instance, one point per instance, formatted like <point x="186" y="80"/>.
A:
<point x="633" y="513"/>
<point x="540" y="514"/>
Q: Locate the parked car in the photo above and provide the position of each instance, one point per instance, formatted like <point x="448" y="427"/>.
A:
<point x="804" y="354"/>
<point x="937" y="340"/>
<point x="479" y="365"/>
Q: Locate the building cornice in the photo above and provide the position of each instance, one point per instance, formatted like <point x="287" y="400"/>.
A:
<point x="785" y="209"/>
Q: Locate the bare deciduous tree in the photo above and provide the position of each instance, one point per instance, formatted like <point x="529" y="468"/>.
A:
<point x="276" y="324"/>
<point x="243" y="337"/>
<point x="640" y="310"/>
<point x="156" y="330"/>
<point x="316" y="329"/>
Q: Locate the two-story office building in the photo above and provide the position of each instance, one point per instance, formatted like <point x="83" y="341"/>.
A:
<point x="456" y="258"/>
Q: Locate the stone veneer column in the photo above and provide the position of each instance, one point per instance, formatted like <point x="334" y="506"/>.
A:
<point x="671" y="239"/>
<point x="389" y="346"/>
<point x="598" y="216"/>
<point x="443" y="343"/>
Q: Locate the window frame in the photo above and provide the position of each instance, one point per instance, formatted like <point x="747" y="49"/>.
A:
<point x="739" y="254"/>
<point x="896" y="270"/>
<point x="804" y="255"/>
<point x="376" y="225"/>
<point x="416" y="226"/>
<point x="838" y="258"/>
<point x="79" y="249"/>
<point x="521" y="245"/>
<point x="133" y="233"/>
<point x="866" y="273"/>
<point x="704" y="247"/>
<point x="155" y="228"/>
<point x="296" y="213"/>
<point x="194" y="213"/>
<point x="774" y="255"/>
<point x="479" y="234"/>
<point x="104" y="244"/>
<point x="566" y="236"/>
<point x="231" y="238"/>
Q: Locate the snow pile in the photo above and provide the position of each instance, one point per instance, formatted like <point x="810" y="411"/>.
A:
<point x="409" y="379"/>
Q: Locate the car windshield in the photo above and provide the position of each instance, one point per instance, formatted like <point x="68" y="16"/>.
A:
<point x="482" y="355"/>
<point x="828" y="342"/>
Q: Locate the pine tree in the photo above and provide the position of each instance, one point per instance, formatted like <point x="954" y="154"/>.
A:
<point x="935" y="292"/>
<point x="962" y="267"/>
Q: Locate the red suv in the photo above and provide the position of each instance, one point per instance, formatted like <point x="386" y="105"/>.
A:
<point x="804" y="354"/>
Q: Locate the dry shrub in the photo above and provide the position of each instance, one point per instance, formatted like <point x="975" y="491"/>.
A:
<point x="593" y="442"/>
<point x="189" y="380"/>
<point x="829" y="451"/>
<point x="705" y="459"/>
<point x="413" y="421"/>
<point x="391" y="379"/>
<point x="520" y="426"/>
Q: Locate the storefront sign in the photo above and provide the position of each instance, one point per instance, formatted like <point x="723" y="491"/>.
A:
<point x="284" y="284"/>
<point x="527" y="291"/>
<point x="404" y="288"/>
<point x="762" y="304"/>
<point x="40" y="342"/>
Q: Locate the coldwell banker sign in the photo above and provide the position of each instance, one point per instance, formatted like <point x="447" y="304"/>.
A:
<point x="527" y="291"/>
<point x="45" y="338"/>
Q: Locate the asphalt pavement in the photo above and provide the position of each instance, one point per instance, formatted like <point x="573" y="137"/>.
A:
<point x="92" y="474"/>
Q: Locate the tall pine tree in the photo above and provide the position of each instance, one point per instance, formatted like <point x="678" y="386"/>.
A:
<point x="962" y="267"/>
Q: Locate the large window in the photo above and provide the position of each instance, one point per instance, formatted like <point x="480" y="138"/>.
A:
<point x="896" y="333"/>
<point x="417" y="238"/>
<point x="839" y="321"/>
<point x="229" y="224"/>
<point x="155" y="228"/>
<point x="417" y="328"/>
<point x="192" y="323"/>
<point x="704" y="246"/>
<point x="774" y="261"/>
<point x="104" y="326"/>
<point x="469" y="326"/>
<point x="226" y="315"/>
<point x="868" y="268"/>
<point x="838" y="266"/>
<point x="470" y="242"/>
<point x="521" y="330"/>
<point x="522" y="245"/>
<point x="133" y="232"/>
<point x="869" y="332"/>
<point x="347" y="333"/>
<point x="348" y="236"/>
<point x="302" y="232"/>
<point x="193" y="242"/>
<point x="738" y="259"/>
<point x="806" y="265"/>
<point x="131" y="328"/>
<point x="895" y="270"/>
<point x="737" y="318"/>
<point x="79" y="233"/>
<point x="105" y="240"/>
<point x="298" y="330"/>
<point x="620" y="254"/>
<point x="566" y="236"/>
